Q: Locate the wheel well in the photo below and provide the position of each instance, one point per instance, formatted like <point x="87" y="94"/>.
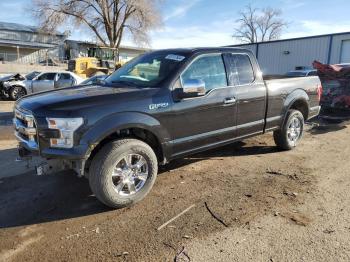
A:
<point x="301" y="106"/>
<point x="138" y="133"/>
<point x="12" y="87"/>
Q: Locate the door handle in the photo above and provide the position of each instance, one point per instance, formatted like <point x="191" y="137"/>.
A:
<point x="228" y="101"/>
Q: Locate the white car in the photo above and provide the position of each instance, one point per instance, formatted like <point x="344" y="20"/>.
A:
<point x="302" y="73"/>
<point x="47" y="81"/>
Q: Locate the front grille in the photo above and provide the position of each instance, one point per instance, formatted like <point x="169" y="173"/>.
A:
<point x="25" y="128"/>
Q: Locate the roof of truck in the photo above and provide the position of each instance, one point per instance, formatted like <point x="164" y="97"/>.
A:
<point x="203" y="49"/>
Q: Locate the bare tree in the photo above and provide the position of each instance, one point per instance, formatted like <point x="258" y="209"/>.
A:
<point x="108" y="20"/>
<point x="259" y="25"/>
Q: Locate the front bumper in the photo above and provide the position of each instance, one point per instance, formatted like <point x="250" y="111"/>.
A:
<point x="33" y="135"/>
<point x="4" y="93"/>
<point x="53" y="164"/>
<point x="32" y="142"/>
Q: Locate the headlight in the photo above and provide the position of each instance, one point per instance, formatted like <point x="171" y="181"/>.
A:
<point x="7" y="84"/>
<point x="67" y="127"/>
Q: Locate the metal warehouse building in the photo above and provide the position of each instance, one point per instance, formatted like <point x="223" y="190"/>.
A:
<point x="27" y="44"/>
<point x="281" y="56"/>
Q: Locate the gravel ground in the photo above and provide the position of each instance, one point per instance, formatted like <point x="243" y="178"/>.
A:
<point x="6" y="115"/>
<point x="273" y="206"/>
<point x="6" y="106"/>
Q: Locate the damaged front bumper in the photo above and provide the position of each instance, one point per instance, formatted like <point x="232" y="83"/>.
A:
<point x="47" y="166"/>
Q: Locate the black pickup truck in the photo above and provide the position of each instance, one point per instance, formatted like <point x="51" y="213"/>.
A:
<point x="160" y="106"/>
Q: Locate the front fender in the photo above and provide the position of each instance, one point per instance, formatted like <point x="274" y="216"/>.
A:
<point x="9" y="85"/>
<point x="109" y="125"/>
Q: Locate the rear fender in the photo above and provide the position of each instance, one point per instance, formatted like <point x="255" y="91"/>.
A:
<point x="292" y="98"/>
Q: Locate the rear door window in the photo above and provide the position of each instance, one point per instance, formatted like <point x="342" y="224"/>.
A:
<point x="208" y="68"/>
<point x="312" y="73"/>
<point x="65" y="77"/>
<point x="241" y="72"/>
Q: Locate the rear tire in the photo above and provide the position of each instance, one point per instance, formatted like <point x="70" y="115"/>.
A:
<point x="116" y="172"/>
<point x="17" y="92"/>
<point x="289" y="135"/>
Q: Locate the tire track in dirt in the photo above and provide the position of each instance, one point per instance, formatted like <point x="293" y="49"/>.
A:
<point x="26" y="237"/>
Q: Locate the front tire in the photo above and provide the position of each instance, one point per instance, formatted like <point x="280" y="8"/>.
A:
<point x="123" y="172"/>
<point x="289" y="135"/>
<point x="17" y="92"/>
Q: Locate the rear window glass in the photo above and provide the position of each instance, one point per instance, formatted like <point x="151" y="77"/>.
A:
<point x="242" y="72"/>
<point x="296" y="74"/>
<point x="313" y="73"/>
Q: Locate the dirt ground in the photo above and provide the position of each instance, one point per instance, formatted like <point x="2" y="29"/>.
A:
<point x="273" y="206"/>
<point x="6" y="106"/>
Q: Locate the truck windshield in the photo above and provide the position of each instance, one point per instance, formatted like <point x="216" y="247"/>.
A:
<point x="148" y="70"/>
<point x="31" y="75"/>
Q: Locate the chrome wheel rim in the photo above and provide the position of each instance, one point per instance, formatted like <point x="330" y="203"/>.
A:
<point x="294" y="130"/>
<point x="130" y="174"/>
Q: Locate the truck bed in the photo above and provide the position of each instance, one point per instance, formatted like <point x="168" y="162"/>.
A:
<point x="279" y="90"/>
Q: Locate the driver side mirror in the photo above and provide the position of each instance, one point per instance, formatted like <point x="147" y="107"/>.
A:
<point x="192" y="88"/>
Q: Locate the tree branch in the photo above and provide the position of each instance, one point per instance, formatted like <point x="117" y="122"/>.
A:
<point x="107" y="19"/>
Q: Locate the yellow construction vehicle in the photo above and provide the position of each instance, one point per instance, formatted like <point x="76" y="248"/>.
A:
<point x="100" y="60"/>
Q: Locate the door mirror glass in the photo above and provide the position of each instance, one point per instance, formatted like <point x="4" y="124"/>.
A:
<point x="192" y="88"/>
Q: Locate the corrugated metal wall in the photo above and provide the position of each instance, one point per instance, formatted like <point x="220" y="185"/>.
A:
<point x="274" y="57"/>
<point x="31" y="37"/>
<point x="335" y="57"/>
<point x="282" y="56"/>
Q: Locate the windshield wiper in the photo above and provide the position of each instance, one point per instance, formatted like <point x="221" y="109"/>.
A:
<point x="128" y="83"/>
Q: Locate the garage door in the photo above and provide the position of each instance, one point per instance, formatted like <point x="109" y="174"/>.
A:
<point x="345" y="52"/>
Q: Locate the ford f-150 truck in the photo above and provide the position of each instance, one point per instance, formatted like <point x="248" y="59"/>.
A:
<point x="160" y="106"/>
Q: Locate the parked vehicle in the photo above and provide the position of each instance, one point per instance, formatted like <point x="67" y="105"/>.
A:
<point x="94" y="80"/>
<point x="12" y="86"/>
<point x="335" y="100"/>
<point x="302" y="73"/>
<point x="100" y="61"/>
<point x="46" y="81"/>
<point x="162" y="105"/>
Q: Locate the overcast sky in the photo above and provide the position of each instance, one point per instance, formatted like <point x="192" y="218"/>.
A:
<point x="189" y="23"/>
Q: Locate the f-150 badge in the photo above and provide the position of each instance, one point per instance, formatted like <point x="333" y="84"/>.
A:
<point x="157" y="106"/>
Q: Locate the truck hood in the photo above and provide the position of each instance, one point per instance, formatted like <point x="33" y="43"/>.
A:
<point x="78" y="98"/>
<point x="12" y="77"/>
